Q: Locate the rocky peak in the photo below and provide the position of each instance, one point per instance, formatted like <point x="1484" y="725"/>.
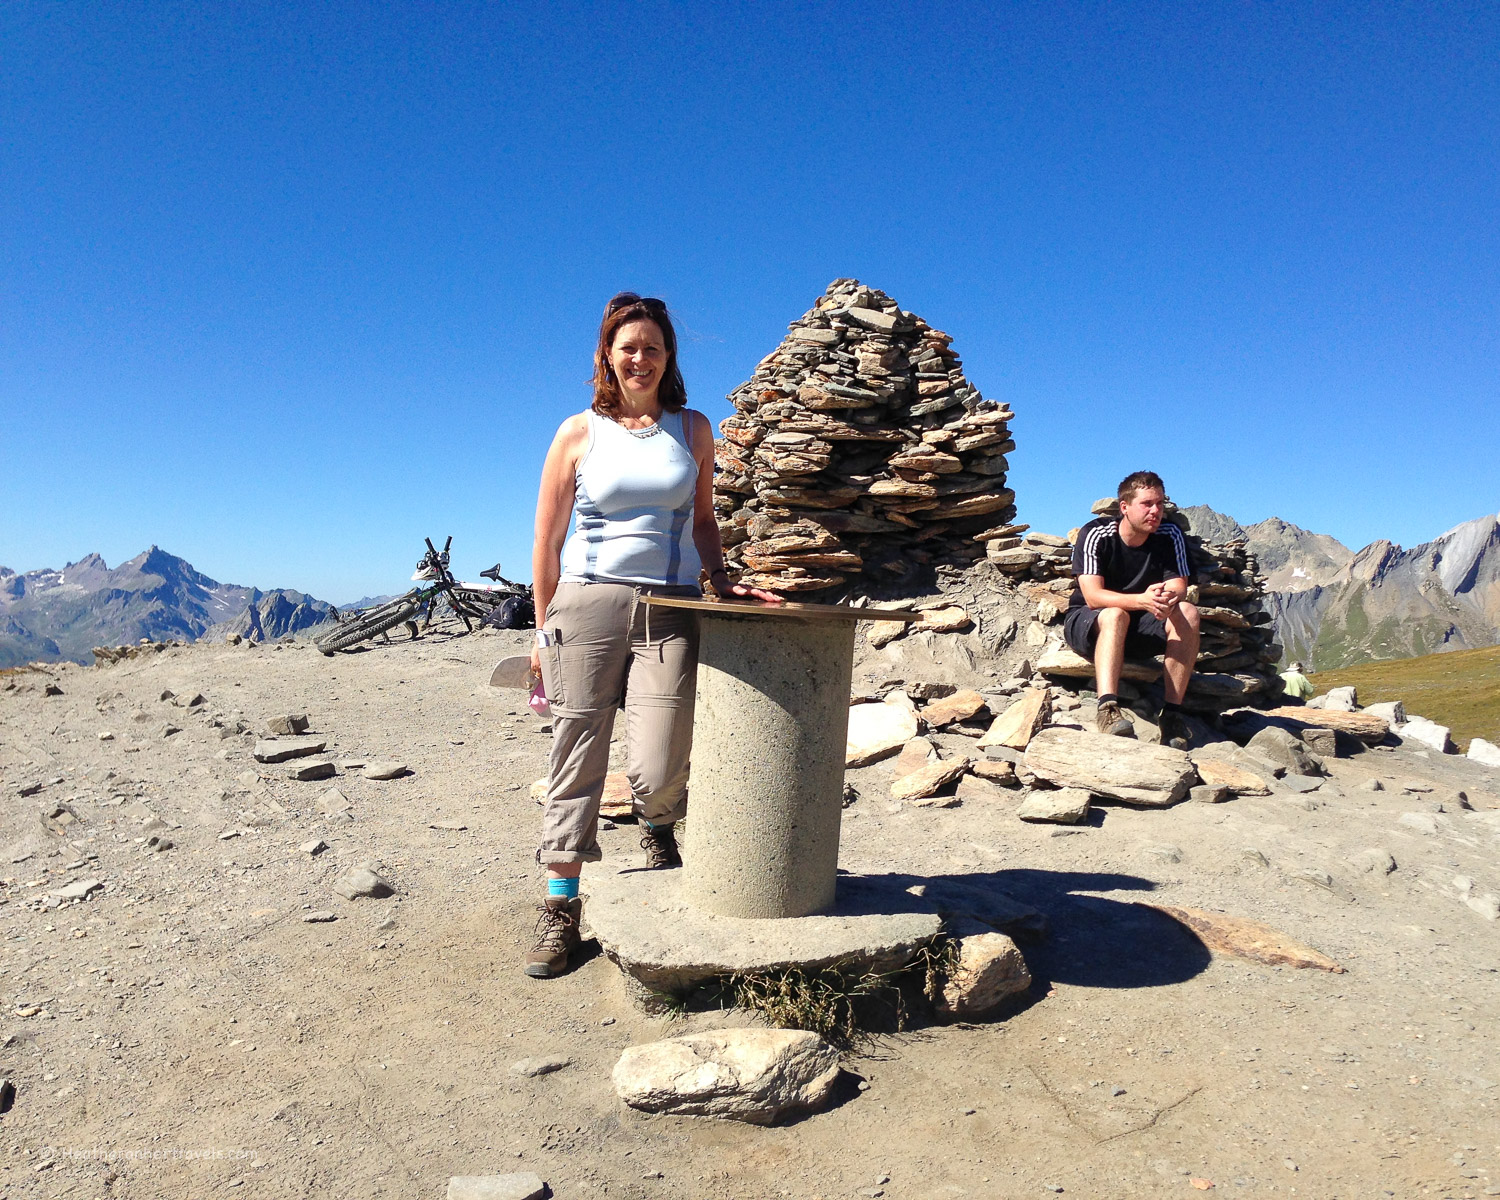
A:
<point x="1371" y="563"/>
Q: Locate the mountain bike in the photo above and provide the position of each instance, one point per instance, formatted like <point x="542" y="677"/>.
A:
<point x="418" y="608"/>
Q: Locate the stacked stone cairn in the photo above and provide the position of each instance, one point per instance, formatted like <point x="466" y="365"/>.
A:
<point x="1237" y="654"/>
<point x="859" y="449"/>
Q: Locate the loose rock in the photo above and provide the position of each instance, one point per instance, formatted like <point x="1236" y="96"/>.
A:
<point x="928" y="780"/>
<point x="275" y="750"/>
<point x="754" y="1075"/>
<point x="1016" y="726"/>
<point x="990" y="969"/>
<point x="525" y="1185"/>
<point x="544" y="1065"/>
<point x="80" y="890"/>
<point x="1284" y="749"/>
<point x="384" y="770"/>
<point x="1059" y="806"/>
<point x="361" y="882"/>
<point x="960" y="706"/>
<point x="1376" y="861"/>
<point x="916" y="754"/>
<point x="977" y="788"/>
<point x="879" y="730"/>
<point x="333" y="801"/>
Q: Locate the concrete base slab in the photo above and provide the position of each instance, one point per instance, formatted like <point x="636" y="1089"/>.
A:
<point x="668" y="947"/>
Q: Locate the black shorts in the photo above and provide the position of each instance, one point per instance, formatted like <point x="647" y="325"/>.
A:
<point x="1145" y="638"/>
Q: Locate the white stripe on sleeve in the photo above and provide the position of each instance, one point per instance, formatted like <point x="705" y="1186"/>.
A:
<point x="1179" y="547"/>
<point x="1091" y="548"/>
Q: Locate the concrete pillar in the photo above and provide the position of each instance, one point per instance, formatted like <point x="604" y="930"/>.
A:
<point x="766" y="796"/>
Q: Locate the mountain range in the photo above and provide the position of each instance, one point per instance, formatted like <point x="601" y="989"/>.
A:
<point x="50" y="615"/>
<point x="1333" y="607"/>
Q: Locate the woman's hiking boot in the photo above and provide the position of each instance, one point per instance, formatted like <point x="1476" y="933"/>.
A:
<point x="660" y="844"/>
<point x="557" y="936"/>
<point x="1111" y="720"/>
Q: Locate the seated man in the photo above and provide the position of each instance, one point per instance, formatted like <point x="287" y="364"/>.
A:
<point x="1131" y="576"/>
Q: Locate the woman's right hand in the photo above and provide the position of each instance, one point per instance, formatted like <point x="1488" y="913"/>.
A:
<point x="536" y="662"/>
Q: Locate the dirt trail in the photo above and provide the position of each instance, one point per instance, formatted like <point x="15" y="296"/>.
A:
<point x="184" y="1033"/>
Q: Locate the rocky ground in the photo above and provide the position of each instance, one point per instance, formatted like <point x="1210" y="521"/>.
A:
<point x="185" y="1030"/>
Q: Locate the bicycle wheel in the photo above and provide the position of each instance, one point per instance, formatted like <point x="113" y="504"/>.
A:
<point x="366" y="627"/>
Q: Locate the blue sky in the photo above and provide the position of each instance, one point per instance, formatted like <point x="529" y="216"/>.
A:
<point x="284" y="288"/>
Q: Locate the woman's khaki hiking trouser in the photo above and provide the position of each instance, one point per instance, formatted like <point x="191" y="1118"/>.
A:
<point x="600" y="652"/>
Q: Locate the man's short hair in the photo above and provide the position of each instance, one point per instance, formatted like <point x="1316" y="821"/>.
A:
<point x="1137" y="481"/>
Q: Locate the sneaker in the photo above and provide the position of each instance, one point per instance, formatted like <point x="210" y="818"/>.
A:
<point x="1174" y="730"/>
<point x="660" y="844"/>
<point x="1110" y="720"/>
<point x="557" y="936"/>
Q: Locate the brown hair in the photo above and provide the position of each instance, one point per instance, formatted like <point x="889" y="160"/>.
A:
<point x="1138" y="481"/>
<point x="620" y="311"/>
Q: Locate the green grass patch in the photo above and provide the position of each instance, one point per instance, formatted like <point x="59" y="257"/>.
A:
<point x="1460" y="689"/>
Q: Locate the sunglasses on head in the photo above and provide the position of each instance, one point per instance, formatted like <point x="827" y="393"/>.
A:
<point x="627" y="299"/>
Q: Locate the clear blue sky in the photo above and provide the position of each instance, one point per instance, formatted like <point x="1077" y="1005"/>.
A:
<point x="285" y="287"/>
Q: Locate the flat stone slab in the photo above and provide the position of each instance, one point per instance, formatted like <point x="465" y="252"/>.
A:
<point x="649" y="930"/>
<point x="275" y="750"/>
<point x="1241" y="937"/>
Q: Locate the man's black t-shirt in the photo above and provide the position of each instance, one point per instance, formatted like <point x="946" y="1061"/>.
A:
<point x="1129" y="569"/>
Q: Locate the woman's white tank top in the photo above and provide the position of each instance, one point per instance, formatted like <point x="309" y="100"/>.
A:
<point x="633" y="506"/>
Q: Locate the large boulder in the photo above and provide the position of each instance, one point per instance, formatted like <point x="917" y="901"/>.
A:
<point x="1484" y="752"/>
<point x="1283" y="749"/>
<point x="1119" y="768"/>
<point x="1368" y="726"/>
<point x="1339" y="699"/>
<point x="1224" y="771"/>
<point x="1428" y="733"/>
<point x="754" y="1075"/>
<point x="1393" y="711"/>
<point x="1055" y="806"/>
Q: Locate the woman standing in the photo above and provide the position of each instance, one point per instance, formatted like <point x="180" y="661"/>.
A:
<point x="638" y="468"/>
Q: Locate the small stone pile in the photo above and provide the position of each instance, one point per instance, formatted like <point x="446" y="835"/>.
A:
<point x="859" y="448"/>
<point x="1237" y="655"/>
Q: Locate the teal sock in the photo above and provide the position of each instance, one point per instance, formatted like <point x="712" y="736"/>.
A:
<point x="566" y="888"/>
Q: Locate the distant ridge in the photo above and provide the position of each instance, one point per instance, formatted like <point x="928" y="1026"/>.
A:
<point x="1333" y="607"/>
<point x="49" y="615"/>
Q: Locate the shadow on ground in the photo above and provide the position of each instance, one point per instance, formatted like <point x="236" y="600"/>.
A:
<point x="1068" y="933"/>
